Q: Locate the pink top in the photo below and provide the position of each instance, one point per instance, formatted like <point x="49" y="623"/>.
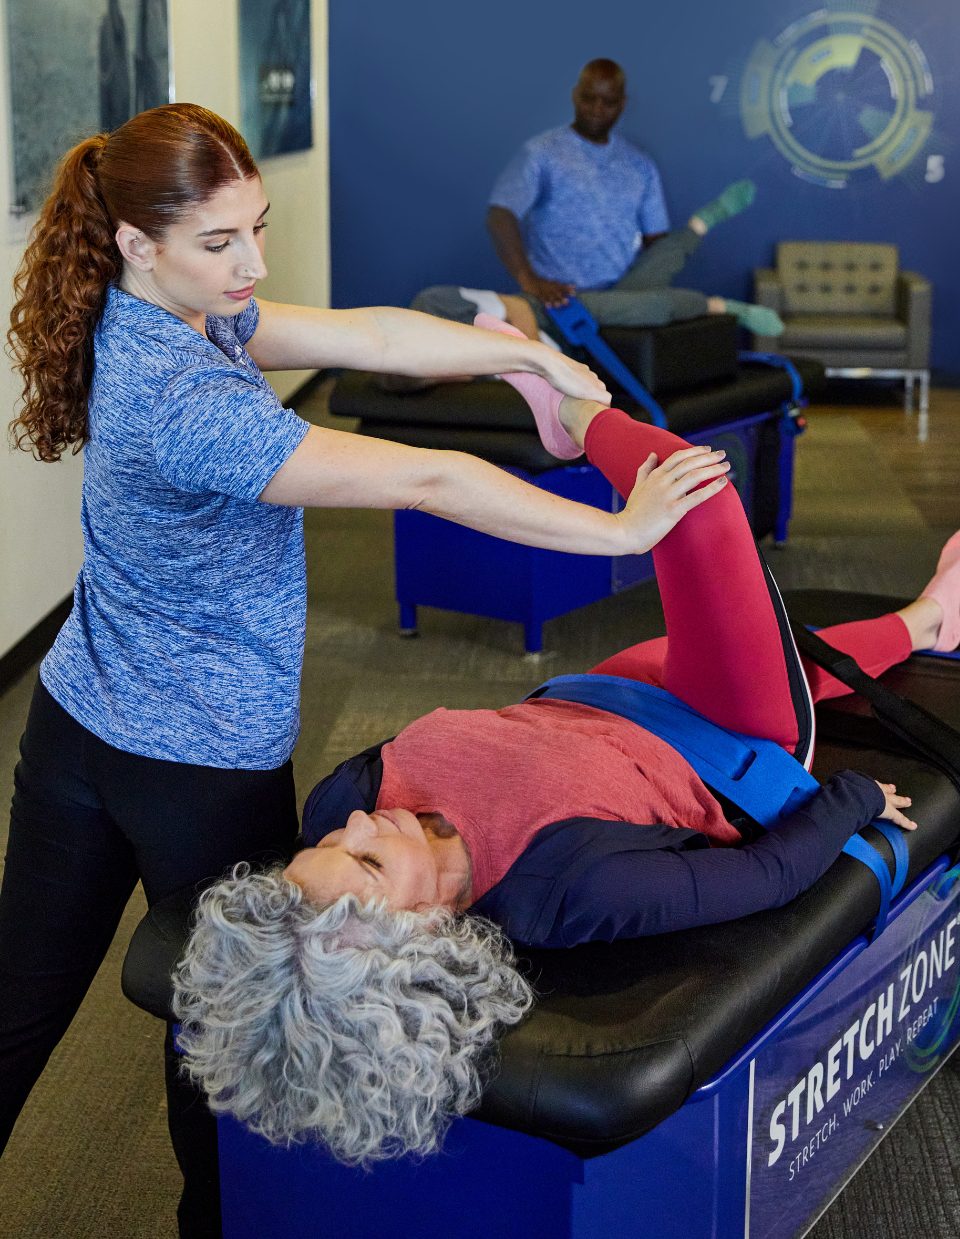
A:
<point x="500" y="776"/>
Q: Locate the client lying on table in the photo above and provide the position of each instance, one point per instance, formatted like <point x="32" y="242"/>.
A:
<point x="356" y="995"/>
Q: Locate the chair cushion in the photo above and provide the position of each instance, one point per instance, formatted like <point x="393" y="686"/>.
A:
<point x="837" y="277"/>
<point x="841" y="331"/>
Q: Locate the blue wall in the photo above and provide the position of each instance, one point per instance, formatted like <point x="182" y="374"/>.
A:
<point x="429" y="98"/>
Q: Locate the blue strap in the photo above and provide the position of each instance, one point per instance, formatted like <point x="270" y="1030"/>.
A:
<point x="579" y="327"/>
<point x="868" y="855"/>
<point x="757" y="775"/>
<point x="901" y="853"/>
<point x="781" y="363"/>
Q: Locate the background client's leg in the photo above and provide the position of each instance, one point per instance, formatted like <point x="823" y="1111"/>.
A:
<point x="617" y="307"/>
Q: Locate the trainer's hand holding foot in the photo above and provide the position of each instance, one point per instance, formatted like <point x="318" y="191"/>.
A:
<point x="544" y="392"/>
<point x="663" y="492"/>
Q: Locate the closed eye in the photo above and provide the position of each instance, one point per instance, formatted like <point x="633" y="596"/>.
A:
<point x="366" y="858"/>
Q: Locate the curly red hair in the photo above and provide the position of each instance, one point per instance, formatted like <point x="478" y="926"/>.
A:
<point x="149" y="173"/>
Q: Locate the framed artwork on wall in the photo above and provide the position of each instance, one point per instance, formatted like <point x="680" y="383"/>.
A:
<point x="78" y="67"/>
<point x="276" y="92"/>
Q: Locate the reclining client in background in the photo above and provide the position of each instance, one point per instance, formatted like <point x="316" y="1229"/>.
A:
<point x="356" y="995"/>
<point x="650" y="306"/>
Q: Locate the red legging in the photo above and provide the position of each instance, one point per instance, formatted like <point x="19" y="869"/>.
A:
<point x="725" y="652"/>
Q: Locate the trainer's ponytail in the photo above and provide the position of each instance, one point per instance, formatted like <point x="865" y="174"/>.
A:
<point x="60" y="289"/>
<point x="148" y="173"/>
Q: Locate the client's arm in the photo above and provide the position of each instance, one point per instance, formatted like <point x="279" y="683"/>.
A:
<point x="631" y="894"/>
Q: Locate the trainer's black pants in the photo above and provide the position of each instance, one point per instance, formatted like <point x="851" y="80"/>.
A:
<point x="87" y="822"/>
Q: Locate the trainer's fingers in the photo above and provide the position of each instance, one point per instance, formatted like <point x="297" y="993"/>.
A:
<point x="701" y="494"/>
<point x="697" y="477"/>
<point x="647" y="467"/>
<point x="676" y="459"/>
<point x="689" y="463"/>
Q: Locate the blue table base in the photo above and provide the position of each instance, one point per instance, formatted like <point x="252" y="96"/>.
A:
<point x="756" y="1153"/>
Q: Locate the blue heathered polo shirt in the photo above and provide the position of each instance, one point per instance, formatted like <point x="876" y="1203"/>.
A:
<point x="185" y="641"/>
<point x="584" y="207"/>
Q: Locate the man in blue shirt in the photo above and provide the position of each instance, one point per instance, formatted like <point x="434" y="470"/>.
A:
<point x="580" y="209"/>
<point x="575" y="204"/>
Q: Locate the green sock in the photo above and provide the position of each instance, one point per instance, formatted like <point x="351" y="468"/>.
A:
<point x="734" y="199"/>
<point x="759" y="319"/>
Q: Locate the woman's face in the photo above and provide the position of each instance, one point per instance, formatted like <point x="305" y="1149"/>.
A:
<point x="208" y="262"/>
<point x="379" y="855"/>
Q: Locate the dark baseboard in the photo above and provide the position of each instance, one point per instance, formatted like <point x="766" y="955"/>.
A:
<point x="32" y="647"/>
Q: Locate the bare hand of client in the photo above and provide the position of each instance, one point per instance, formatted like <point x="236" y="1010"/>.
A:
<point x="665" y="493"/>
<point x="893" y="804"/>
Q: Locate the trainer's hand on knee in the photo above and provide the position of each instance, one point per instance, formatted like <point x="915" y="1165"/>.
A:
<point x="665" y="493"/>
<point x="892" y="806"/>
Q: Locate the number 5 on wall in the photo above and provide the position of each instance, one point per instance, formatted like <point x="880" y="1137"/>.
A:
<point x="935" y="169"/>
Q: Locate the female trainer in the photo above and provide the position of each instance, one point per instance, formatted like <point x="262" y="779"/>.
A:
<point x="159" y="738"/>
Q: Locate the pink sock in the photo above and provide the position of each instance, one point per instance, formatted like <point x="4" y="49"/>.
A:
<point x="544" y="400"/>
<point x="945" y="589"/>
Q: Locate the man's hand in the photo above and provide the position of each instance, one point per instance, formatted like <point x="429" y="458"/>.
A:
<point x="550" y="292"/>
<point x="504" y="228"/>
<point x="893" y="805"/>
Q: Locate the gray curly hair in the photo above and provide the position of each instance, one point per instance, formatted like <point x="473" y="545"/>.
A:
<point x="364" y="1028"/>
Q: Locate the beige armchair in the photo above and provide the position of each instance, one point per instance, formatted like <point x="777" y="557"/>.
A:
<point x="850" y="306"/>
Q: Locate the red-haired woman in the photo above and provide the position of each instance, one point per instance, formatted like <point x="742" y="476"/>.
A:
<point x="159" y="739"/>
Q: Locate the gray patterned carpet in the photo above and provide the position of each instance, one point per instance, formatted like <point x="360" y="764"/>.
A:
<point x="89" y="1156"/>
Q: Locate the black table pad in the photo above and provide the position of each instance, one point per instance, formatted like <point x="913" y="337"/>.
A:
<point x="623" y="1033"/>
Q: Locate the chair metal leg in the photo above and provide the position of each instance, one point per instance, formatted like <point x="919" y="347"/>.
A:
<point x="923" y="420"/>
<point x="908" y="392"/>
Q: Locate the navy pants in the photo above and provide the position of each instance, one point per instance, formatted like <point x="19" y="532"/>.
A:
<point x="87" y="822"/>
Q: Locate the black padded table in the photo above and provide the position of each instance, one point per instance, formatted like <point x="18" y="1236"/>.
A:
<point x="490" y="419"/>
<point x="652" y="1070"/>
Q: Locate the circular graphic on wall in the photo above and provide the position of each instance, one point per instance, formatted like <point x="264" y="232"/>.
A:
<point x="840" y="94"/>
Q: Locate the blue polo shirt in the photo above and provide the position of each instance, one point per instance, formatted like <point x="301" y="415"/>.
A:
<point x="185" y="641"/>
<point x="584" y="208"/>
